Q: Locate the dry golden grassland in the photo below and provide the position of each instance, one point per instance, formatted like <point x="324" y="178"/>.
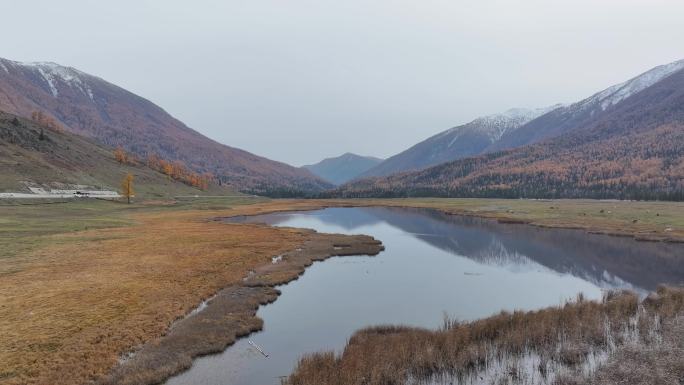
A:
<point x="72" y="301"/>
<point x="82" y="282"/>
<point x="231" y="313"/>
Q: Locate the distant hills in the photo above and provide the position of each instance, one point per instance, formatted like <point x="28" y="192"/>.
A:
<point x="343" y="168"/>
<point x="87" y="105"/>
<point x="625" y="142"/>
<point x="35" y="156"/>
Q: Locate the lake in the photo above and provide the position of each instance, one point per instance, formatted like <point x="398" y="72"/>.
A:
<point x="433" y="264"/>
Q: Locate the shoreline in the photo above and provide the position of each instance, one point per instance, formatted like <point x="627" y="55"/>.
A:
<point x="510" y="213"/>
<point x="183" y="241"/>
<point x="134" y="372"/>
<point x="511" y="216"/>
<point x="209" y="331"/>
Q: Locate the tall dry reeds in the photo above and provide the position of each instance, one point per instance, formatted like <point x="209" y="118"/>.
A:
<point x="559" y="337"/>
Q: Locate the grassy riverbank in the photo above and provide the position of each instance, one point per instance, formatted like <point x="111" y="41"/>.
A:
<point x="231" y="312"/>
<point x="85" y="281"/>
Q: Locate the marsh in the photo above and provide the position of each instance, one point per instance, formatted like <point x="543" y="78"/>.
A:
<point x="434" y="264"/>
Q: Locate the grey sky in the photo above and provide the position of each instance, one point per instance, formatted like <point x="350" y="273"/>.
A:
<point x="298" y="81"/>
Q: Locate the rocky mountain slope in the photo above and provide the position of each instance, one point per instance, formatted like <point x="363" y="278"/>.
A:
<point x="633" y="148"/>
<point x="90" y="106"/>
<point x="343" y="168"/>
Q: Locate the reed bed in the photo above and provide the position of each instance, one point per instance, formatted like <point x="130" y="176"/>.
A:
<point x="548" y="346"/>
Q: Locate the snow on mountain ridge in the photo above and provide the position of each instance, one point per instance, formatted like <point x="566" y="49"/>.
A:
<point x="52" y="74"/>
<point x="619" y="92"/>
<point x="496" y="125"/>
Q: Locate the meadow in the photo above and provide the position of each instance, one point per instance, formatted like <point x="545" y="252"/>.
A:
<point x="85" y="281"/>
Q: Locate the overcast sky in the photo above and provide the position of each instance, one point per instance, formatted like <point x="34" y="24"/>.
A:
<point x="298" y="81"/>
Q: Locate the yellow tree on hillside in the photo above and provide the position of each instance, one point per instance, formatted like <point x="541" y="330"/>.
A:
<point x="127" y="187"/>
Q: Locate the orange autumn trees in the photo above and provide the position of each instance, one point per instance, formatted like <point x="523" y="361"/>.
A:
<point x="46" y="121"/>
<point x="120" y="155"/>
<point x="646" y="165"/>
<point x="124" y="157"/>
<point x="179" y="171"/>
<point x="176" y="170"/>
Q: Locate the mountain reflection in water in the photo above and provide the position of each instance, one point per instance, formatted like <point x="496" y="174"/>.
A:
<point x="609" y="262"/>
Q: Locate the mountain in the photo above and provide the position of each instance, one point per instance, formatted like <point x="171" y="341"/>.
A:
<point x="343" y="168"/>
<point x="92" y="107"/>
<point x="459" y="142"/>
<point x="35" y="156"/>
<point x="516" y="127"/>
<point x="568" y="118"/>
<point x="631" y="148"/>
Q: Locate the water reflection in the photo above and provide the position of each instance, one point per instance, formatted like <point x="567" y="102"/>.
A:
<point x="607" y="261"/>
<point x="433" y="263"/>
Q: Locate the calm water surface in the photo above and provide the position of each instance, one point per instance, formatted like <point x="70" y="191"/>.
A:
<point x="433" y="264"/>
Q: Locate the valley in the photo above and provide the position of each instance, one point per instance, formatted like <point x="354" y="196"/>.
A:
<point x="536" y="245"/>
<point x="623" y="142"/>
